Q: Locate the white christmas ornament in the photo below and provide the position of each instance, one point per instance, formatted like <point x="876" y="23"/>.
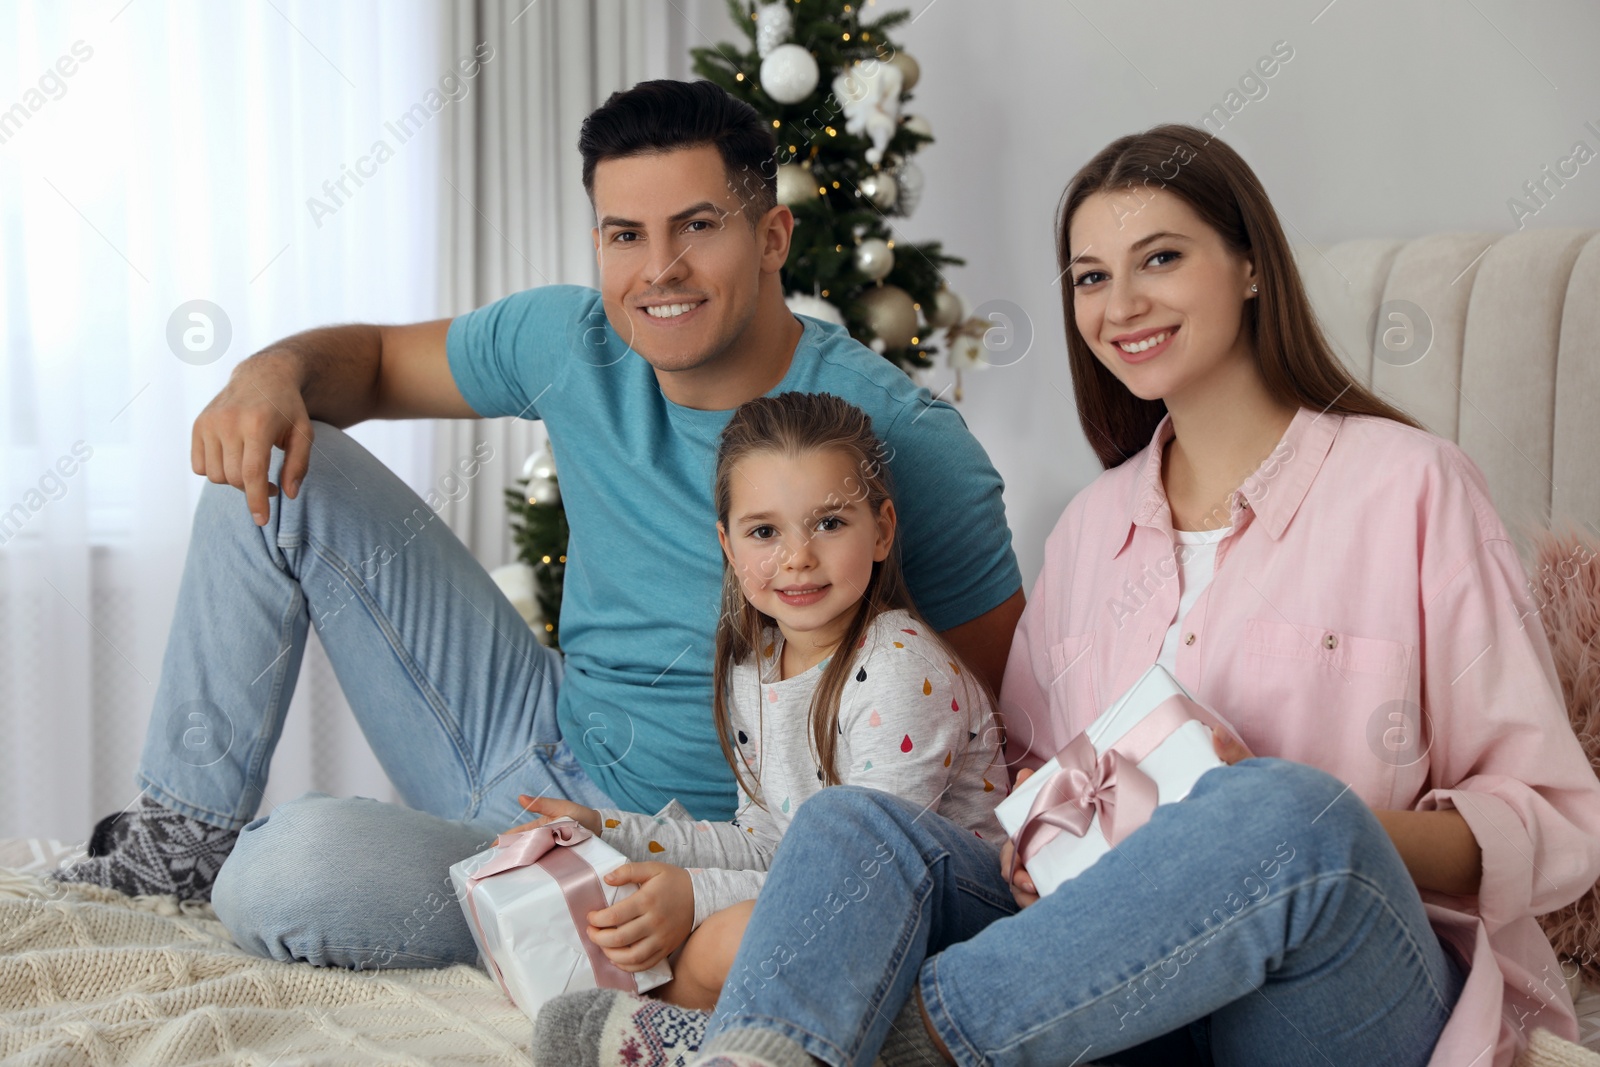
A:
<point x="869" y="93"/>
<point x="540" y="471"/>
<point x="815" y="307"/>
<point x="966" y="353"/>
<point x="789" y="74"/>
<point x="910" y="70"/>
<point x="949" y="309"/>
<point x="908" y="183"/>
<point x="918" y="125"/>
<point x="880" y="188"/>
<point x="891" y="315"/>
<point x="874" y="258"/>
<point x="796" y="184"/>
<point x="774" y="24"/>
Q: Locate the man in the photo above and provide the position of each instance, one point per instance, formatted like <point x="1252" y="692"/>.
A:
<point x="463" y="707"/>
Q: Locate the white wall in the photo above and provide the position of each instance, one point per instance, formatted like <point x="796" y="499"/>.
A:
<point x="1390" y="120"/>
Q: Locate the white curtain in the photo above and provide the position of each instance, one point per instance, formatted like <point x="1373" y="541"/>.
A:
<point x="151" y="155"/>
<point x="203" y="151"/>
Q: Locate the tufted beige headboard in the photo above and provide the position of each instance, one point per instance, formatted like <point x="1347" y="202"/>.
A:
<point x="1512" y="370"/>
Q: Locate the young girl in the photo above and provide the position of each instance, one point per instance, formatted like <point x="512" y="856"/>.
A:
<point x="1360" y="884"/>
<point x="824" y="675"/>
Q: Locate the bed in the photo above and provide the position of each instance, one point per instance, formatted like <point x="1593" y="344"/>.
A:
<point x="1488" y="339"/>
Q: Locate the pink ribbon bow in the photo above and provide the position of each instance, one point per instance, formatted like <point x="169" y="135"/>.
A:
<point x="1110" y="783"/>
<point x="579" y="883"/>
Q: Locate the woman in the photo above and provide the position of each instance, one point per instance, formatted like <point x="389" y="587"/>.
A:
<point x="1359" y="885"/>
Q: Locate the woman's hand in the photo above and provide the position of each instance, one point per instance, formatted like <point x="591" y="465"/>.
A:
<point x="639" y="932"/>
<point x="1229" y="749"/>
<point x="555" y="808"/>
<point x="1023" y="891"/>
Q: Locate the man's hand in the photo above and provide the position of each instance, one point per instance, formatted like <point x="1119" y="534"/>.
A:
<point x="555" y="808"/>
<point x="647" y="927"/>
<point x="1023" y="891"/>
<point x="232" y="439"/>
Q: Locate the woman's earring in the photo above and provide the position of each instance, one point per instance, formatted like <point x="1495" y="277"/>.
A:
<point x="1252" y="287"/>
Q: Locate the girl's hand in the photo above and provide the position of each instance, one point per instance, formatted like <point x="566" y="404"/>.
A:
<point x="555" y="808"/>
<point x="1230" y="749"/>
<point x="647" y="927"/>
<point x="1021" y="882"/>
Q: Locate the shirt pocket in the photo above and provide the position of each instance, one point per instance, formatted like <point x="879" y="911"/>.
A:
<point x="1074" y="695"/>
<point x="1357" y="687"/>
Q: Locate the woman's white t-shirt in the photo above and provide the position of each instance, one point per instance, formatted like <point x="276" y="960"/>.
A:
<point x="1197" y="561"/>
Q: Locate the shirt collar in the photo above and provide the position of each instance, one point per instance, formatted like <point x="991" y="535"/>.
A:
<point x="1274" y="491"/>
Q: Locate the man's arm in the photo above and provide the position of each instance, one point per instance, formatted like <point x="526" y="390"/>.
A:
<point x="984" y="643"/>
<point x="340" y="375"/>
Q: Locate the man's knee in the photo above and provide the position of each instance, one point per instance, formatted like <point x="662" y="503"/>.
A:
<point x="278" y="868"/>
<point x="328" y="440"/>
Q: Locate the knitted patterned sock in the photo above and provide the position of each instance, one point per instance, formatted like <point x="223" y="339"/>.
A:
<point x="605" y="1026"/>
<point x="153" y="850"/>
<point x="752" y="1048"/>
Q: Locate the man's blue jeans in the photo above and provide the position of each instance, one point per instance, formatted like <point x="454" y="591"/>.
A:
<point x="453" y="691"/>
<point x="1266" y="919"/>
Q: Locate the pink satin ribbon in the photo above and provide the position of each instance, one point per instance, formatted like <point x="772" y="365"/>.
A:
<point x="1110" y="783"/>
<point x="579" y="884"/>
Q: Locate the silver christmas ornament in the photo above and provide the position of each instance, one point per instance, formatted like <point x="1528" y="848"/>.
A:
<point x="891" y="315"/>
<point x="910" y="70"/>
<point x="948" y="310"/>
<point x="796" y="184"/>
<point x="789" y="74"/>
<point x="774" y="24"/>
<point x="540" y="471"/>
<point x="880" y="188"/>
<point x="546" y="493"/>
<point x="874" y="258"/>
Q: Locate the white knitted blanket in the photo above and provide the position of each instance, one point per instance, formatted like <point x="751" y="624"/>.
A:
<point x="88" y="976"/>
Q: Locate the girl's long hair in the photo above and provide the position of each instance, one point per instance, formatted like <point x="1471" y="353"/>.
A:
<point x="796" y="424"/>
<point x="1296" y="361"/>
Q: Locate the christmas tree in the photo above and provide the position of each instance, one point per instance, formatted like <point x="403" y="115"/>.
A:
<point x="539" y="530"/>
<point x="832" y="84"/>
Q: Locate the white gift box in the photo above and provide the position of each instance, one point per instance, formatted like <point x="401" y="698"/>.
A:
<point x="526" y="932"/>
<point x="1174" y="766"/>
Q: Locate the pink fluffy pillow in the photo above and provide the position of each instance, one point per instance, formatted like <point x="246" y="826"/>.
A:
<point x="1566" y="592"/>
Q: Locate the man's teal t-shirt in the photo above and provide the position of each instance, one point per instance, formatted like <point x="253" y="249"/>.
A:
<point x="644" y="570"/>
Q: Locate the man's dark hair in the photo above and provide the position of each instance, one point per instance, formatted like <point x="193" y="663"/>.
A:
<point x="666" y="115"/>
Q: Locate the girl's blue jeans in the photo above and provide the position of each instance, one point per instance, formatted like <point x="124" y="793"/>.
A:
<point x="1266" y="919"/>
<point x="451" y="688"/>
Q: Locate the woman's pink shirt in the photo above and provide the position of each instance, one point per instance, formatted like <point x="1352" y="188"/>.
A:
<point x="1368" y="616"/>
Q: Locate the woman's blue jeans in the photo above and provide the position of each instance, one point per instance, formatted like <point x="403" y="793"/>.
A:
<point x="1266" y="919"/>
<point x="451" y="688"/>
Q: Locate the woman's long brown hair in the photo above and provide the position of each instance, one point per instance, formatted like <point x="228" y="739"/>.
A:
<point x="1297" y="363"/>
<point x="795" y="424"/>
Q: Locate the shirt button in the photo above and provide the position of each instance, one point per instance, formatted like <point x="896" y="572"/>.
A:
<point x="1330" y="642"/>
<point x="1189" y="640"/>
